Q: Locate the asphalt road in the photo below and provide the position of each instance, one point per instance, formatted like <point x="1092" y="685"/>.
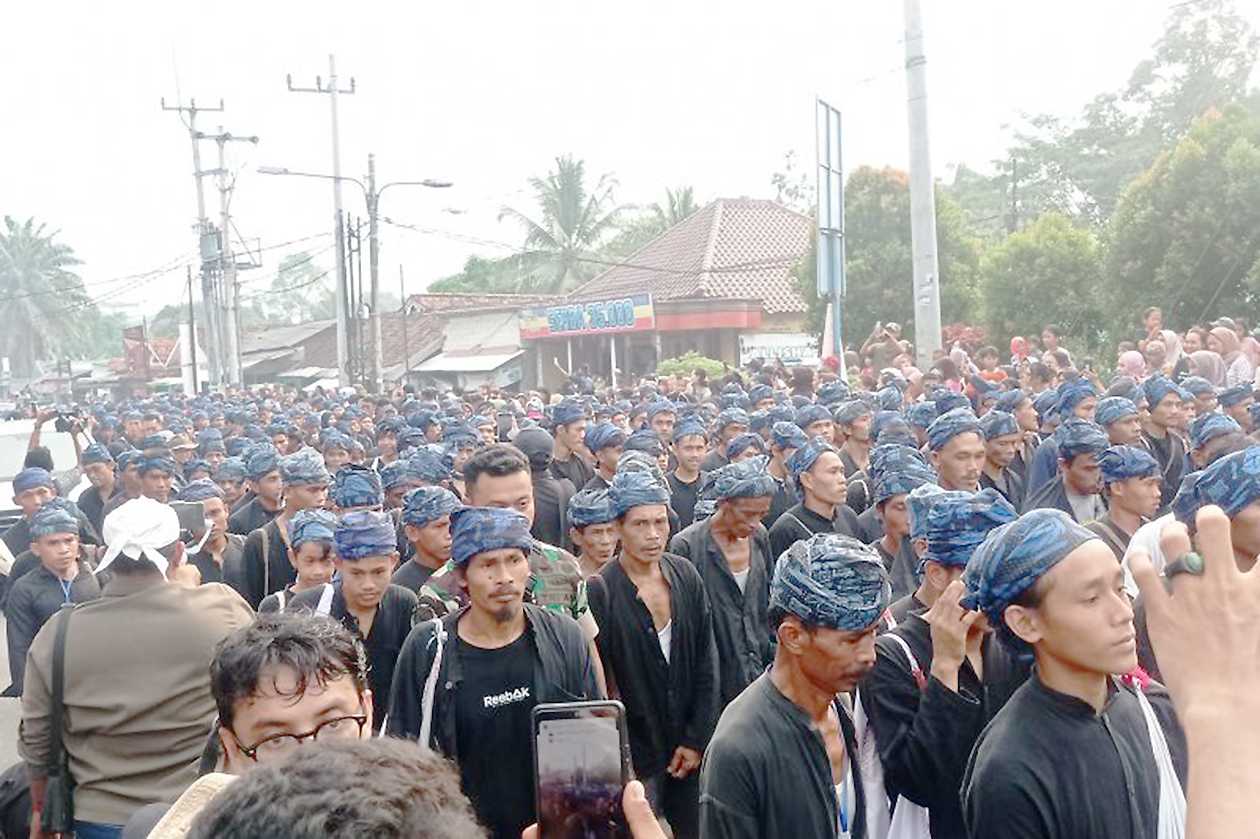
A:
<point x="9" y="711"/>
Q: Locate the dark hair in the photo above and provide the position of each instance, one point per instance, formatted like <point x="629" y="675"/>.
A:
<point x="985" y="351"/>
<point x="1218" y="447"/>
<point x="1150" y="311"/>
<point x="1051" y="328"/>
<point x="317" y="647"/>
<point x="344" y="789"/>
<point x="38" y="456"/>
<point x="802" y="377"/>
<point x="777" y="615"/>
<point x="497" y="461"/>
<point x="1038" y="370"/>
<point x="124" y="565"/>
<point x="1063" y="359"/>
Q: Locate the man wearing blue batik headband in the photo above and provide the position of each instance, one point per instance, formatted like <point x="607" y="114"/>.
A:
<point x="853" y="421"/>
<point x="656" y="641"/>
<point x="426" y="519"/>
<point x="1054" y="592"/>
<point x="99" y="468"/>
<point x="311" y="554"/>
<point x="1162" y="432"/>
<point x="818" y="475"/>
<point x="785" y="439"/>
<point x="899" y="476"/>
<point x="263" y="498"/>
<point x="689" y="446"/>
<point x="605" y="442"/>
<point x="1211" y="433"/>
<point x="957" y="449"/>
<point x="362" y="597"/>
<point x="765" y="773"/>
<point x="1002" y="440"/>
<point x="730" y="423"/>
<point x="1075" y="398"/>
<point x="731" y="550"/>
<point x="592" y="529"/>
<point x="939" y="676"/>
<point x="661" y="416"/>
<point x="1131" y="488"/>
<point x="221" y="555"/>
<point x="568" y="458"/>
<point x="466" y="684"/>
<point x="1076" y="489"/>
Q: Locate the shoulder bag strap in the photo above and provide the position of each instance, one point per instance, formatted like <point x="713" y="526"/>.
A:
<point x="430" y="684"/>
<point x="59" y="683"/>
<point x="915" y="670"/>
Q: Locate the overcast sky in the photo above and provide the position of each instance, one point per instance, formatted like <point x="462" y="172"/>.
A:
<point x="486" y="95"/>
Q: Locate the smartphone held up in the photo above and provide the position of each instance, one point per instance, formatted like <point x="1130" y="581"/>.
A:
<point x="581" y="765"/>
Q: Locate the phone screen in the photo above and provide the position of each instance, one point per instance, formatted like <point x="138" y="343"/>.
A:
<point x="580" y="767"/>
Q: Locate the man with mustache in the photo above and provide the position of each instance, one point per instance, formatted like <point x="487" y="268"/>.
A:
<point x="656" y="641"/>
<point x="783" y="760"/>
<point x="491" y="656"/>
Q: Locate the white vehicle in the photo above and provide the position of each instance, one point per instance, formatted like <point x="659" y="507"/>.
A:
<point x="14" y="436"/>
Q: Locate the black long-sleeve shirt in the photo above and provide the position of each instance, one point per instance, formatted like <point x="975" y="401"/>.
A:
<point x="741" y="626"/>
<point x="800" y="522"/>
<point x="766" y="772"/>
<point x="18" y="537"/>
<point x="249" y="517"/>
<point x="264" y="567"/>
<point x="383" y="642"/>
<point x="682" y="498"/>
<point x="551" y="509"/>
<point x="1050" y="767"/>
<point x="668" y="703"/>
<point x="785" y="498"/>
<point x="35" y="598"/>
<point x="924" y="734"/>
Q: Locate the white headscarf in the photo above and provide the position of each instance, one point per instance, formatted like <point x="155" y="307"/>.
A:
<point x="139" y="529"/>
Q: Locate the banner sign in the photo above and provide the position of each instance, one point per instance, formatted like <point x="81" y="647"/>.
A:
<point x="601" y="317"/>
<point x="791" y="347"/>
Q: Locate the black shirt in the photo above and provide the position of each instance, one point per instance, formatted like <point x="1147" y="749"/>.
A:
<point x="250" y="517"/>
<point x="493" y="730"/>
<point x="411" y="575"/>
<point x="551" y="509"/>
<point x="18" y="537"/>
<point x="800" y="522"/>
<point x="902" y="568"/>
<point x="596" y="483"/>
<point x="714" y="460"/>
<point x="575" y="469"/>
<point x="682" y="498"/>
<point x="93" y="506"/>
<point x="785" y="498"/>
<point x="265" y="566"/>
<point x="35" y="598"/>
<point x="1050" y="767"/>
<point x="870" y="526"/>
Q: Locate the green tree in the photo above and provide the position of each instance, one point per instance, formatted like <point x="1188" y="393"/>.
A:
<point x="1186" y="236"/>
<point x="679" y="204"/>
<point x="636" y="229"/>
<point x="483" y="276"/>
<point x="43" y="304"/>
<point x="1049" y="271"/>
<point x="563" y="242"/>
<point x="300" y="292"/>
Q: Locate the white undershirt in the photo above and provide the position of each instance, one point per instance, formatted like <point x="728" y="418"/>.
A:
<point x="741" y="578"/>
<point x="664" y="636"/>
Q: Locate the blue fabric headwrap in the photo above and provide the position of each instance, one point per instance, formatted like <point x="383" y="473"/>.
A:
<point x="635" y="489"/>
<point x="431" y="464"/>
<point x="365" y="533"/>
<point x="947" y="400"/>
<point x="1012" y="559"/>
<point x="422" y="419"/>
<point x="425" y="504"/>
<point x="921" y="414"/>
<point x="96" y="453"/>
<point x="1253" y="410"/>
<point x="53" y="518"/>
<point x="997" y="423"/>
<point x="1231" y="483"/>
<point x="231" y="469"/>
<point x="949" y="425"/>
<point x="305" y="467"/>
<point x="1119" y="463"/>
<point x="127" y="459"/>
<point x="236" y="447"/>
<point x="1072" y="393"/>
<point x="30" y="478"/>
<point x="832" y="581"/>
<point x="884" y="421"/>
<point x="833" y="392"/>
<point x="736" y="400"/>
<point x="850" y="412"/>
<point x="1210" y="426"/>
<point x="312" y="526"/>
<point x="1157" y="387"/>
<point x="782" y="413"/>
<point x="1113" y="408"/>
<point x="744" y="441"/>
<point x="904" y="479"/>
<point x="567" y="411"/>
<point x="476" y="530"/>
<point x="746" y="479"/>
<point x="356" y="486"/>
<point x="918" y="502"/>
<point x="394" y="475"/>
<point x="690" y="427"/>
<point x="804" y="458"/>
<point x="389" y="425"/>
<point x="661" y="406"/>
<point x="1235" y="395"/>
<point x="590" y="506"/>
<point x="159" y="464"/>
<point x="787" y="435"/>
<point x="1077" y="436"/>
<point x="810" y="414"/>
<point x="1198" y="386"/>
<point x="336" y="440"/>
<point x="758" y="420"/>
<point x="199" y="490"/>
<point x="1009" y="400"/>
<point x="1045" y="404"/>
<point x="603" y="435"/>
<point x="261" y="460"/>
<point x="644" y="440"/>
<point x="731" y="416"/>
<point x="889" y="398"/>
<point x="891" y="456"/>
<point x="758" y="393"/>
<point x="955" y="523"/>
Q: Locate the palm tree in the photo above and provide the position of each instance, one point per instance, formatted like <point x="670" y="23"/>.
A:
<point x="561" y="246"/>
<point x="678" y="205"/>
<point x="42" y="300"/>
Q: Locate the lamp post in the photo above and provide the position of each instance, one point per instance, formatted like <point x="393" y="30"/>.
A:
<point x="372" y="197"/>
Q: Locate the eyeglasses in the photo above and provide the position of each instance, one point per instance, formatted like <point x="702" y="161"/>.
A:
<point x="279" y="745"/>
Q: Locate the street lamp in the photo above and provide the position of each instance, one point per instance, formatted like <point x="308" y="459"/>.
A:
<point x="372" y="197"/>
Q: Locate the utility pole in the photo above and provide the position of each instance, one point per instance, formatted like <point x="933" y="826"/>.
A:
<point x="402" y="295"/>
<point x="192" y="334"/>
<point x="927" y="287"/>
<point x="378" y="341"/>
<point x="333" y="91"/>
<point x="230" y="292"/>
<point x="207" y="246"/>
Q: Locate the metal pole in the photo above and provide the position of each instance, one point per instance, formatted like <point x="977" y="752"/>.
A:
<point x="343" y="375"/>
<point x="227" y="261"/>
<point x="378" y="341"/>
<point x="402" y="295"/>
<point x="208" y="297"/>
<point x="569" y="343"/>
<point x="612" y="353"/>
<point x="927" y="289"/>
<point x="192" y="333"/>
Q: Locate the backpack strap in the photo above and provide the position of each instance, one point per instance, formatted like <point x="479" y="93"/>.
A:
<point x="916" y="671"/>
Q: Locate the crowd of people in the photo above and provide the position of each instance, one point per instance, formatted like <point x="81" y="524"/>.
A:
<point x="906" y="603"/>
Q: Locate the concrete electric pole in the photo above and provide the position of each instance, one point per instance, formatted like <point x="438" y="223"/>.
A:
<point x="332" y="91"/>
<point x="927" y="286"/>
<point x="229" y="316"/>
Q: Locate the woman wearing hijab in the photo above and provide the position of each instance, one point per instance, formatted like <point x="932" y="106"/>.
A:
<point x="1132" y="364"/>
<point x="1209" y="365"/>
<point x="1223" y="340"/>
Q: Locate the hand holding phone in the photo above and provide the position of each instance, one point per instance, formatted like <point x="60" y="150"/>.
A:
<point x="581" y="765"/>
